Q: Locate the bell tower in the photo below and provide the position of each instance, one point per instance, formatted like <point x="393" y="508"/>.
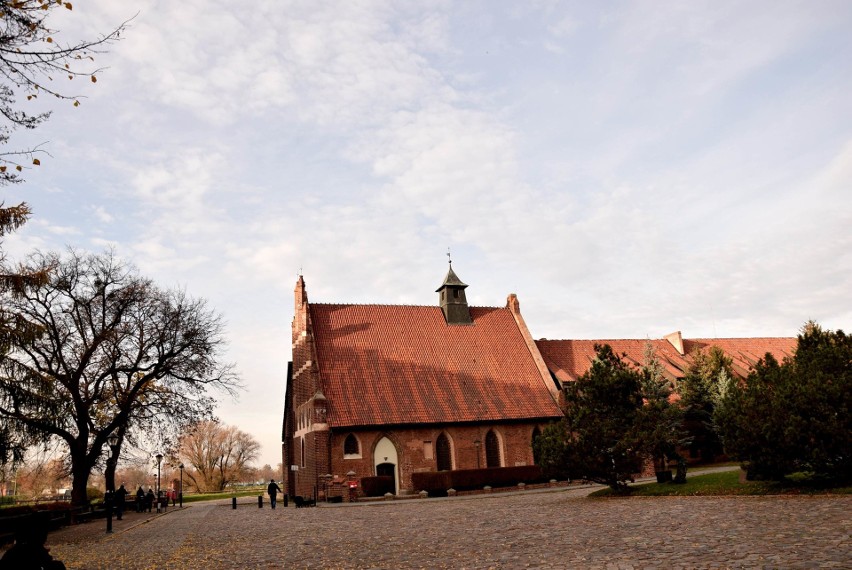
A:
<point x="452" y="299"/>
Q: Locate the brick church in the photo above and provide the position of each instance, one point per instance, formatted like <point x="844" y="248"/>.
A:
<point x="395" y="389"/>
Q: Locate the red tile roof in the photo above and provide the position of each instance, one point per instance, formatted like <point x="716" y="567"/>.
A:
<point x="745" y="351"/>
<point x="570" y="359"/>
<point x="382" y="364"/>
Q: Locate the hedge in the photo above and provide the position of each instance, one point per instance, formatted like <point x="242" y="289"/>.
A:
<point x="436" y="483"/>
<point x="377" y="486"/>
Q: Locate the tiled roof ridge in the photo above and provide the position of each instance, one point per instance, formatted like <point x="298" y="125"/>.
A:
<point x="395" y="305"/>
<point x="705" y="339"/>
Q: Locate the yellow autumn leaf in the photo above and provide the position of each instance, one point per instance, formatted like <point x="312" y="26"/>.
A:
<point x="49" y="40"/>
<point x="2" y="169"/>
<point x="19" y="168"/>
<point x="76" y="103"/>
<point x="36" y="162"/>
<point x="68" y="5"/>
<point x="94" y="79"/>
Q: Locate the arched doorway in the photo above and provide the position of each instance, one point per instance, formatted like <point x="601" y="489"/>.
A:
<point x="492" y="450"/>
<point x="536" y="433"/>
<point x="444" y="453"/>
<point x="386" y="461"/>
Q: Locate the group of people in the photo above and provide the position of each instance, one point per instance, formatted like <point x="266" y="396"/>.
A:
<point x="144" y="501"/>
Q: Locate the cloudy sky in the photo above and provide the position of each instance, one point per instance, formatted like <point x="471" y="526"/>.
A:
<point x="627" y="168"/>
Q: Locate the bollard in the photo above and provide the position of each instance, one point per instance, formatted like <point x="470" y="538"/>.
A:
<point x="234" y="503"/>
<point x="260" y="501"/>
<point x="285" y="500"/>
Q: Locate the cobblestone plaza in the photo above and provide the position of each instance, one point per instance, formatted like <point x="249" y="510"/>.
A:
<point x="557" y="529"/>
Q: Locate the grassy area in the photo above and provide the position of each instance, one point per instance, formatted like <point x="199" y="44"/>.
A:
<point x="187" y="498"/>
<point x="727" y="483"/>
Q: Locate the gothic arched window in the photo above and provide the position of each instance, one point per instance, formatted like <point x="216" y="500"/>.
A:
<point x="351" y="447"/>
<point x="492" y="450"/>
<point x="443" y="453"/>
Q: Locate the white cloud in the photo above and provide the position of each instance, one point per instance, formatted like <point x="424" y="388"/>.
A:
<point x="628" y="170"/>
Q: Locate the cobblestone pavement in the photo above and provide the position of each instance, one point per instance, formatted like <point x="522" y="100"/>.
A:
<point x="560" y="529"/>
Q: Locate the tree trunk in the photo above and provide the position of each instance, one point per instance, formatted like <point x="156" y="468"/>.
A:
<point x="79" y="479"/>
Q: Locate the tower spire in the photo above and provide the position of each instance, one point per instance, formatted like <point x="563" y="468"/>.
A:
<point x="452" y="298"/>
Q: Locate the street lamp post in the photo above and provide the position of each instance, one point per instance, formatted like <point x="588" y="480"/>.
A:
<point x="180" y="495"/>
<point x="159" y="460"/>
<point x="112" y="440"/>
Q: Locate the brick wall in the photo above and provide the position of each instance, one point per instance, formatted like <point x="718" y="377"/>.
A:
<point x="415" y="448"/>
<point x="309" y="436"/>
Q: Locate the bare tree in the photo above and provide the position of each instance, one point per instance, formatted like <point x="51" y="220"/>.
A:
<point x="219" y="455"/>
<point x="101" y="350"/>
<point x="32" y="54"/>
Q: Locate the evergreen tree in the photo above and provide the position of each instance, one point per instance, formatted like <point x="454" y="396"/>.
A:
<point x="794" y="416"/>
<point x="699" y="390"/>
<point x="551" y="451"/>
<point x="601" y="413"/>
<point x="659" y="423"/>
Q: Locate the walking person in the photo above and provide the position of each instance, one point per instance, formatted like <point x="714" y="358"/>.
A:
<point x="149" y="499"/>
<point x="120" y="498"/>
<point x="140" y="499"/>
<point x="273" y="489"/>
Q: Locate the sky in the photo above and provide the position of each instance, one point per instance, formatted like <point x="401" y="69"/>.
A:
<point x="628" y="169"/>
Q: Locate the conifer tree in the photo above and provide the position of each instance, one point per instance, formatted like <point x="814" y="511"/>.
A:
<point x="601" y="412"/>
<point x="660" y="421"/>
<point x="705" y="378"/>
<point x="794" y="416"/>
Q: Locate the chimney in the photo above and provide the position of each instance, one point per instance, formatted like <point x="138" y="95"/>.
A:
<point x="676" y="340"/>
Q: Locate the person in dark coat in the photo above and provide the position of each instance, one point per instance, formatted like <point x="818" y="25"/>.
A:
<point x="29" y="550"/>
<point x="149" y="499"/>
<point x="120" y="498"/>
<point x="273" y="489"/>
<point x="140" y="499"/>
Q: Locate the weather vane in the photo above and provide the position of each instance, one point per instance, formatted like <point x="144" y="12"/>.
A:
<point x="450" y="259"/>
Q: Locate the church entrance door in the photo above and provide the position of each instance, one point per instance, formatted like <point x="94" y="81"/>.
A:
<point x="387" y="470"/>
<point x="385" y="461"/>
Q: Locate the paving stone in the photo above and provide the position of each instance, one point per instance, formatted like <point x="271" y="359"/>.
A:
<point x="556" y="529"/>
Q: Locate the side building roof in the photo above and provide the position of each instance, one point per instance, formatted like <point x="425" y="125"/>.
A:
<point x="397" y="365"/>
<point x="567" y="360"/>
